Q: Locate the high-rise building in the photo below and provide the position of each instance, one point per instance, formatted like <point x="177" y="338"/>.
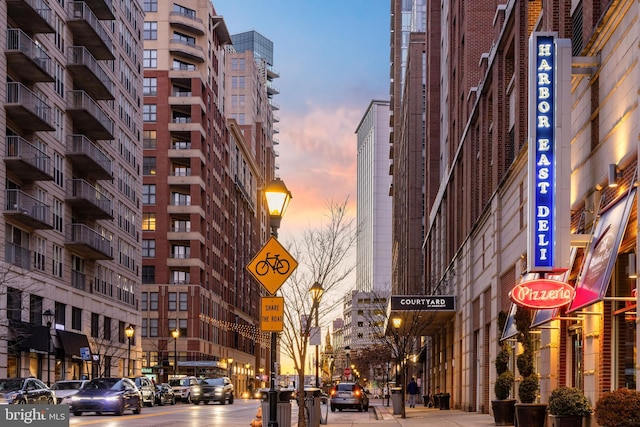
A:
<point x="70" y="272"/>
<point x="208" y="152"/>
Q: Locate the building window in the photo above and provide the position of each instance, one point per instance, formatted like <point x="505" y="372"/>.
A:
<point x="58" y="210"/>
<point x="149" y="166"/>
<point x="149" y="112"/>
<point x="150" y="86"/>
<point x="184" y="301"/>
<point x="106" y="329"/>
<point x="150" y="5"/>
<point x="148" y="248"/>
<point x="150" y="30"/>
<point x="150" y="59"/>
<point x="149" y="139"/>
<point x="183" y="66"/>
<point x="148" y="194"/>
<point x="35" y="309"/>
<point x="144" y="301"/>
<point x="180" y="277"/>
<point x="61" y="314"/>
<point x="148" y="221"/>
<point x="173" y="301"/>
<point x="95" y="325"/>
<point x="148" y="274"/>
<point x="153" y="301"/>
<point x="153" y="327"/>
<point x="76" y="318"/>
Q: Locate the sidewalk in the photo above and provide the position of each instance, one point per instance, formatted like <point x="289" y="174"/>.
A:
<point x="419" y="416"/>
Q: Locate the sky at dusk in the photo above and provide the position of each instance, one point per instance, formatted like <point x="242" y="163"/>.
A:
<point x="333" y="59"/>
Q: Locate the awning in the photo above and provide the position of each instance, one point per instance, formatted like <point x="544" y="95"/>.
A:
<point x="30" y="337"/>
<point x="72" y="343"/>
<point x="602" y="254"/>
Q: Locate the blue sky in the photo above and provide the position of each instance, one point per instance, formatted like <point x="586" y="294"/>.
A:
<point x="333" y="59"/>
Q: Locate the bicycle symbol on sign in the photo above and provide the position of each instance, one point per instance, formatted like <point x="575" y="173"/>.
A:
<point x="280" y="266"/>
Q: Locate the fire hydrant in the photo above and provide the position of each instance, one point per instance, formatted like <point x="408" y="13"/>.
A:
<point x="257" y="421"/>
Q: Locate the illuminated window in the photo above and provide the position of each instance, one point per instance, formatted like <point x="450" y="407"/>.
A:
<point x="149" y="221"/>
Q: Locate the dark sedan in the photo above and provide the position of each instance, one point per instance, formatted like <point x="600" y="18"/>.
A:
<point x="25" y="391"/>
<point x="107" y="395"/>
<point x="165" y="394"/>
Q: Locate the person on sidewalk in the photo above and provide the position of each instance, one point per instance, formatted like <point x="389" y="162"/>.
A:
<point x="413" y="391"/>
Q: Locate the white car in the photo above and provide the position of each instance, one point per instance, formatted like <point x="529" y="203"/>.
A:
<point x="64" y="389"/>
<point x="182" y="387"/>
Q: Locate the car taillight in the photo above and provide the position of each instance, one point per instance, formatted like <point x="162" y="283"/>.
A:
<point x="356" y="393"/>
<point x="333" y="392"/>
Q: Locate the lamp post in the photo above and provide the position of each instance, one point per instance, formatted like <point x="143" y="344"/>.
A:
<point x="229" y="368"/>
<point x="388" y="394"/>
<point x="316" y="293"/>
<point x="129" y="331"/>
<point x="247" y="367"/>
<point x="278" y="197"/>
<point x="175" y="334"/>
<point x="48" y="319"/>
<point x="347" y="352"/>
<point x="397" y="323"/>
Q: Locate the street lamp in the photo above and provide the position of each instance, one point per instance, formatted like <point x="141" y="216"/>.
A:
<point x="316" y="293"/>
<point x="129" y="331"/>
<point x="388" y="394"/>
<point x="48" y="317"/>
<point x="278" y="198"/>
<point x="175" y="334"/>
<point x="397" y="323"/>
<point x="347" y="352"/>
<point x="229" y="368"/>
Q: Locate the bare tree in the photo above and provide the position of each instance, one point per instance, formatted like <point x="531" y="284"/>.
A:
<point x="323" y="257"/>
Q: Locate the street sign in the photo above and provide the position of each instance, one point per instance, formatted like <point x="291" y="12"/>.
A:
<point x="272" y="265"/>
<point x="347" y="371"/>
<point x="272" y="314"/>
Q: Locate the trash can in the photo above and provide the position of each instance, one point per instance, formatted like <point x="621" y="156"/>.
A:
<point x="312" y="405"/>
<point x="283" y="413"/>
<point x="396" y="400"/>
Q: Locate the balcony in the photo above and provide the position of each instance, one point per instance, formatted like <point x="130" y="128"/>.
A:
<point x="189" y="51"/>
<point x="183" y="208"/>
<point x="102" y="8"/>
<point x="88" y="31"/>
<point x="26" y="109"/>
<point x="26" y="160"/>
<point x="33" y="16"/>
<point x="184" y="98"/>
<point x="87" y="73"/>
<point x="88" y="243"/>
<point x="87" y="158"/>
<point x="183" y="261"/>
<point x="17" y="255"/>
<point x="87" y="201"/>
<point x="88" y="117"/>
<point x="186" y="22"/>
<point x="184" y="124"/>
<point x="26" y="58"/>
<point x="27" y="210"/>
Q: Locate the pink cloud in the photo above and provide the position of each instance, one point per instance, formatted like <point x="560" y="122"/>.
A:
<point x="317" y="162"/>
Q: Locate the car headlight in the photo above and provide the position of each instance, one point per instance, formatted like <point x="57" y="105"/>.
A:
<point x="196" y="390"/>
<point x="110" y="398"/>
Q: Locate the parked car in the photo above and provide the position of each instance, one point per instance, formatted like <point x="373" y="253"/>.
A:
<point x="147" y="389"/>
<point x="165" y="394"/>
<point x="107" y="395"/>
<point x="182" y="387"/>
<point x="25" y="390"/>
<point x="212" y="390"/>
<point x="348" y="395"/>
<point x="64" y="389"/>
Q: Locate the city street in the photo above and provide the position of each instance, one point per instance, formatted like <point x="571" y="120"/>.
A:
<point x="239" y="414"/>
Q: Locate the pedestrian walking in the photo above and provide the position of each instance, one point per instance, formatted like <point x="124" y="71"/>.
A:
<point x="413" y="391"/>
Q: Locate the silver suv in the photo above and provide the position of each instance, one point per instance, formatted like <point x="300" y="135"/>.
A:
<point x="182" y="387"/>
<point x="147" y="389"/>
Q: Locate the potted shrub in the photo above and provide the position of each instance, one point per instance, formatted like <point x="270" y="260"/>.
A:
<point x="528" y="413"/>
<point x="567" y="406"/>
<point x="618" y="408"/>
<point x="503" y="407"/>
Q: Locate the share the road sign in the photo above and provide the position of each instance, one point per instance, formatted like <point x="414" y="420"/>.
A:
<point x="272" y="265"/>
<point x="272" y="314"/>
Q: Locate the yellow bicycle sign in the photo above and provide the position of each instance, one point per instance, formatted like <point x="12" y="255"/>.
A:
<point x="272" y="265"/>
